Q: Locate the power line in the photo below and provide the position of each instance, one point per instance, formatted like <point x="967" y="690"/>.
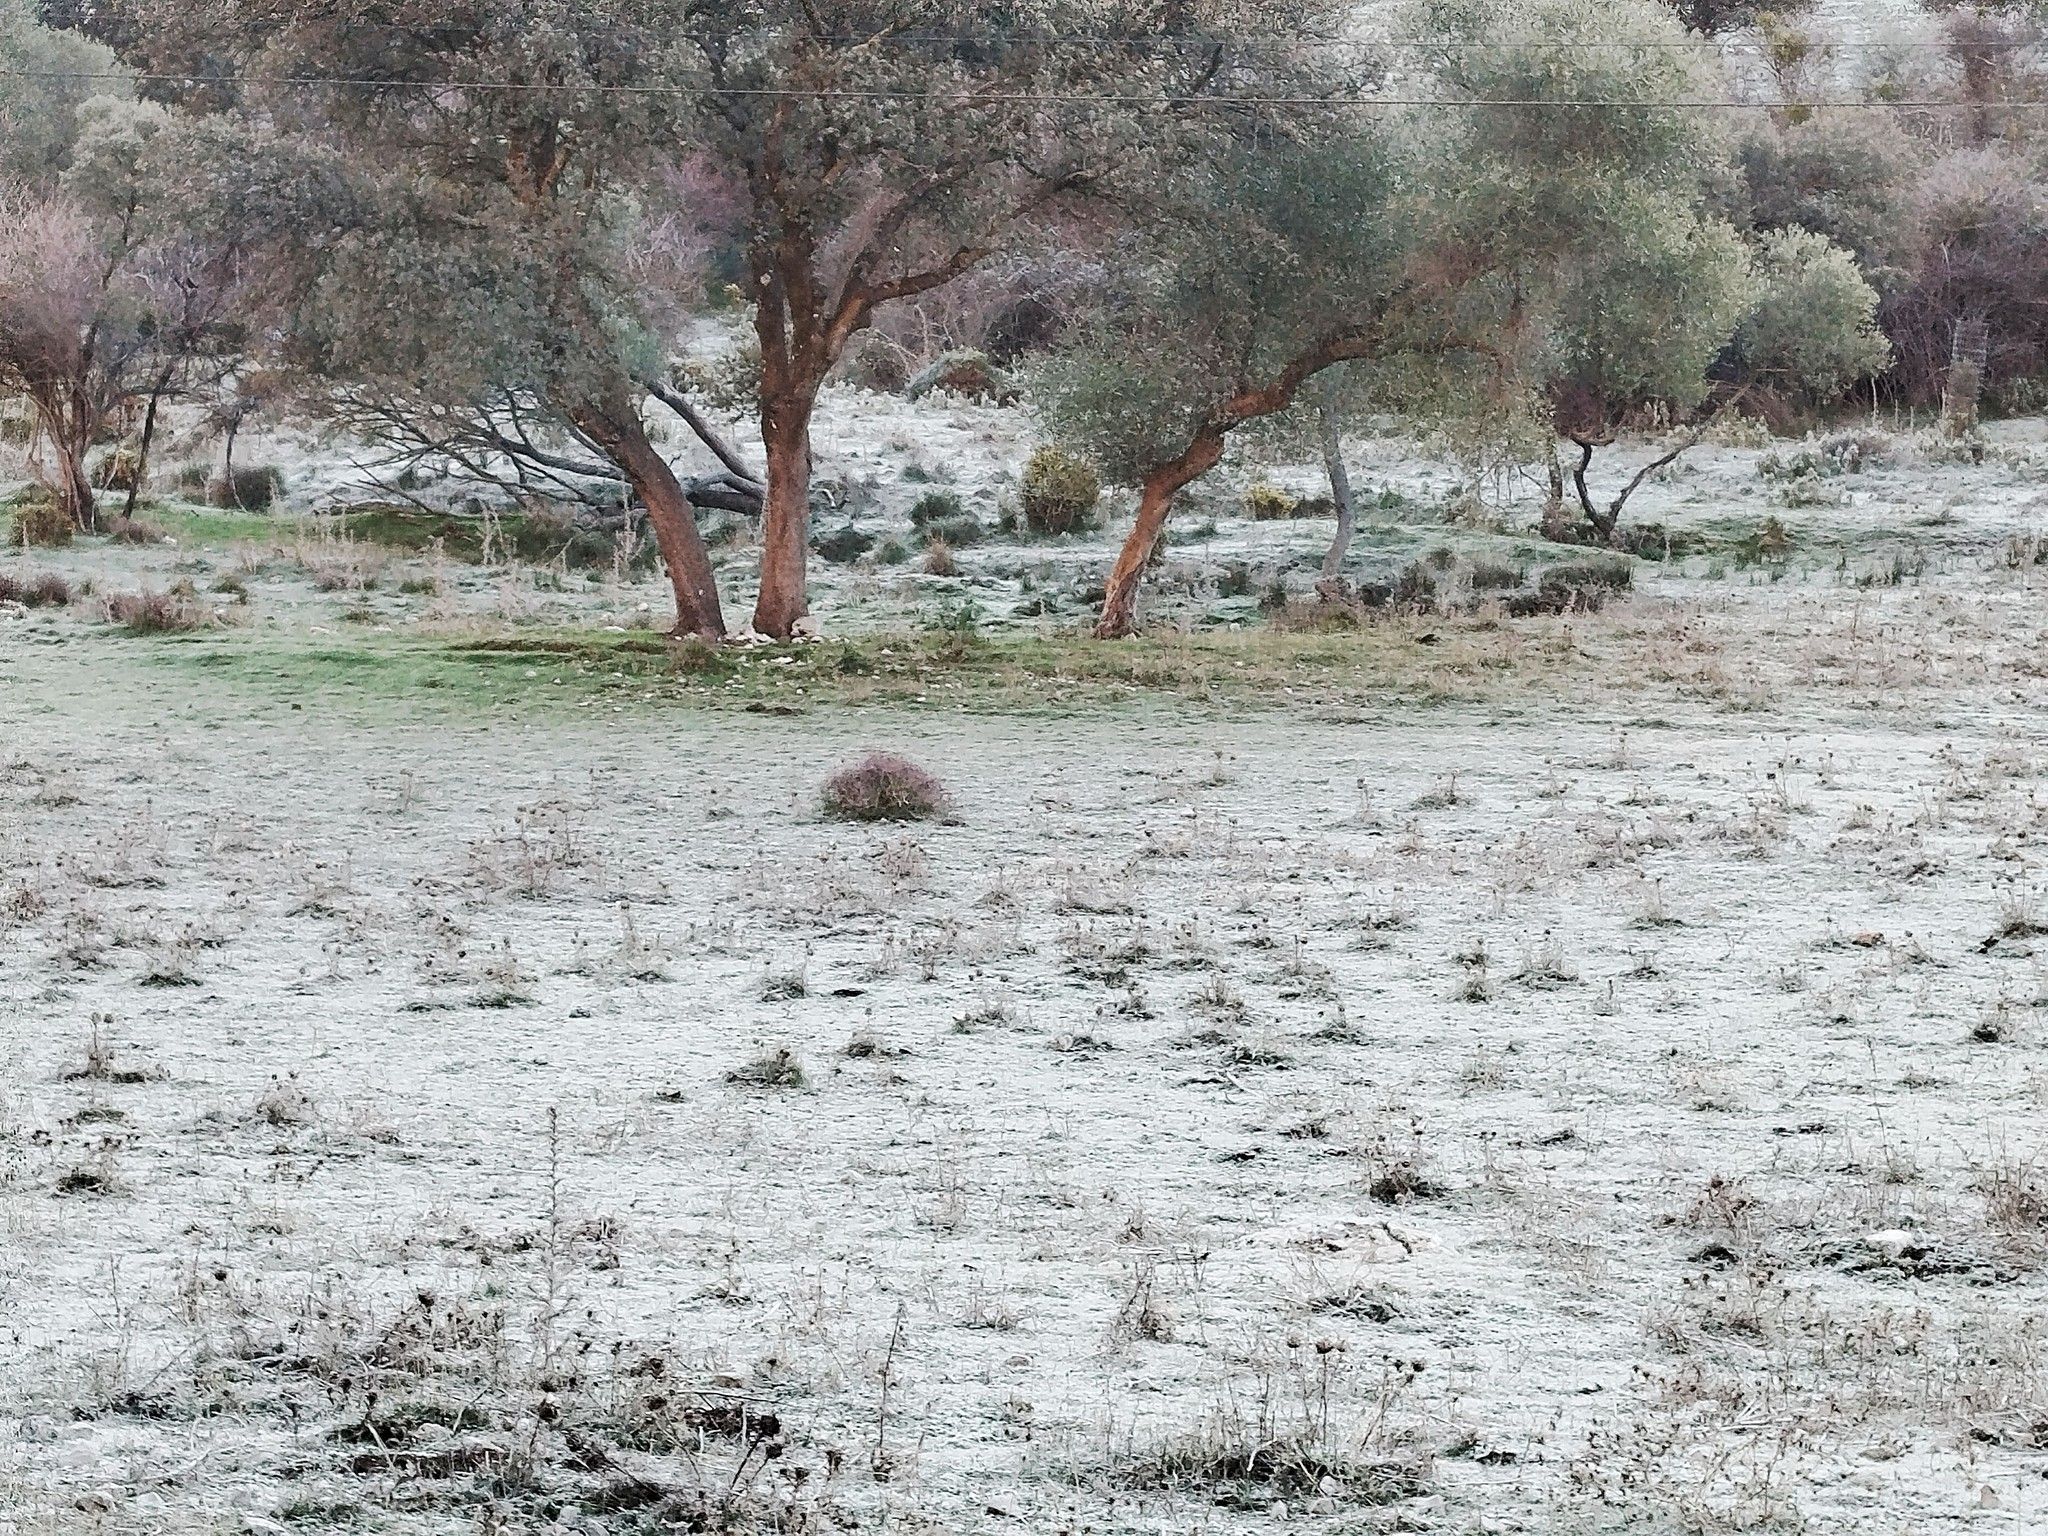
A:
<point x="1364" y="44"/>
<point x="971" y="98"/>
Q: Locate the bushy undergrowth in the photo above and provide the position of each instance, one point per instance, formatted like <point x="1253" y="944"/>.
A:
<point x="34" y="589"/>
<point x="39" y="522"/>
<point x="153" y="612"/>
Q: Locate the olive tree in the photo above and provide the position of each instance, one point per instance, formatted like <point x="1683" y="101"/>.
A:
<point x="886" y="149"/>
<point x="1690" y="322"/>
<point x="1442" y="244"/>
<point x="1594" y="187"/>
<point x="45" y="77"/>
<point x="454" y="209"/>
<point x="105" y="289"/>
<point x="501" y="162"/>
<point x="1283" y="258"/>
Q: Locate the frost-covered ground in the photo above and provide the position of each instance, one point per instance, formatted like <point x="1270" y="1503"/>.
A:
<point x="1604" y="1091"/>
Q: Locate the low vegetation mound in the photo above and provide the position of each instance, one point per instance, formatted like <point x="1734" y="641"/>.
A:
<point x="1060" y="490"/>
<point x="884" y="786"/>
<point x="34" y="589"/>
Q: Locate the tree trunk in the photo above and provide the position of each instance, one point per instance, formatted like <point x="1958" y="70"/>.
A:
<point x="156" y="394"/>
<point x="1340" y="485"/>
<point x="1603" y="522"/>
<point x="1554" y="526"/>
<point x="785" y="516"/>
<point x="615" y="427"/>
<point x="68" y="423"/>
<point x="74" y="490"/>
<point x="228" y="496"/>
<point x="1119" y="618"/>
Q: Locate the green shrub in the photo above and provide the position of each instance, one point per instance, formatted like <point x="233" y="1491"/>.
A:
<point x="1060" y="490"/>
<point x="252" y="488"/>
<point x="937" y="507"/>
<point x="843" y="546"/>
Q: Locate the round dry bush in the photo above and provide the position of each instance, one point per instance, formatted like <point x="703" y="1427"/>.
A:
<point x="1060" y="490"/>
<point x="884" y="787"/>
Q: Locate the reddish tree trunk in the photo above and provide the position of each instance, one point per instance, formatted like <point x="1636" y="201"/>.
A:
<point x="615" y="427"/>
<point x="1119" y="618"/>
<point x="68" y="423"/>
<point x="74" y="489"/>
<point x="785" y="517"/>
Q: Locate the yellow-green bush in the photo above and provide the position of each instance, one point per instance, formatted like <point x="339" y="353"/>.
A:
<point x="39" y="520"/>
<point x="1269" y="504"/>
<point x="1060" y="490"/>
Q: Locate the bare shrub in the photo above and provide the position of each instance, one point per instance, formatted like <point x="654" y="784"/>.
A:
<point x="884" y="786"/>
<point x="283" y="1103"/>
<point x="1306" y="1458"/>
<point x="134" y="530"/>
<point x="1985" y="250"/>
<point x="35" y="589"/>
<point x="151" y="612"/>
<point x="1006" y="309"/>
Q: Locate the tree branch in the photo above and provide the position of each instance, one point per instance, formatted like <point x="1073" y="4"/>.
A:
<point x="707" y="434"/>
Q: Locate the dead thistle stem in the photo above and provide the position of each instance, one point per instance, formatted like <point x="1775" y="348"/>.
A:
<point x="551" y="1298"/>
<point x="881" y="1461"/>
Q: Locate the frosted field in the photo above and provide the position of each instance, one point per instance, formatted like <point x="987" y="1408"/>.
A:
<point x="1574" y="1073"/>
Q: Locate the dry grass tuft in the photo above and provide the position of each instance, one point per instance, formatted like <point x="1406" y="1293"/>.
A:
<point x="884" y="787"/>
<point x="135" y="530"/>
<point x="776" y="1067"/>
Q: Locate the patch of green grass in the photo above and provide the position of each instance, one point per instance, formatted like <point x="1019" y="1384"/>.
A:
<point x="191" y="524"/>
<point x="540" y="540"/>
<point x="1441" y="661"/>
